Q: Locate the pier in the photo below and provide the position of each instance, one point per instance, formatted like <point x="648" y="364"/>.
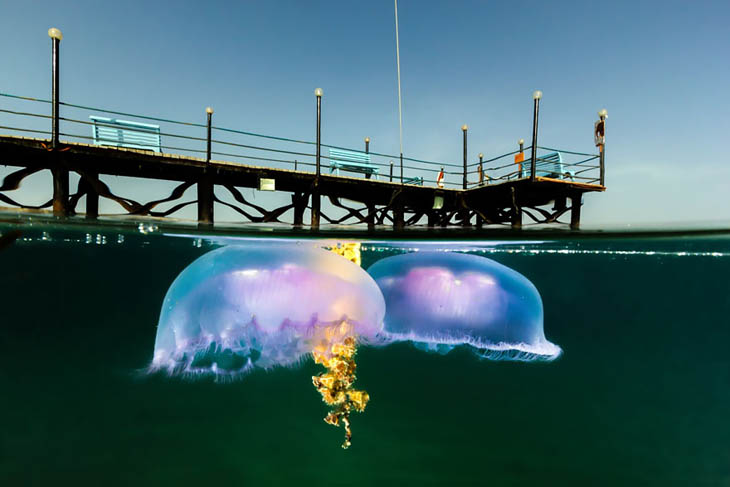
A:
<point x="317" y="183"/>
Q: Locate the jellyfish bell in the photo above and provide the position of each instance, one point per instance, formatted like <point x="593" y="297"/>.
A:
<point x="440" y="300"/>
<point x="238" y="308"/>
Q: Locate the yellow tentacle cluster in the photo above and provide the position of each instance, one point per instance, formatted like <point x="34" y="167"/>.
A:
<point x="349" y="250"/>
<point x="335" y="348"/>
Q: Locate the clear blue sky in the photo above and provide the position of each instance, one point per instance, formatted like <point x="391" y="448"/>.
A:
<point x="660" y="69"/>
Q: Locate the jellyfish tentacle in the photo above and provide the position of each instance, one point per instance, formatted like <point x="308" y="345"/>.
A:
<point x="335" y="349"/>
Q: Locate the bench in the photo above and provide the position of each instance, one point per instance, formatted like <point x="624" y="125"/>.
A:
<point x="547" y="166"/>
<point x="353" y="161"/>
<point x="417" y="181"/>
<point x="123" y="133"/>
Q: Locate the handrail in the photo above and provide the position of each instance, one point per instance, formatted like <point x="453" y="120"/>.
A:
<point x="416" y="167"/>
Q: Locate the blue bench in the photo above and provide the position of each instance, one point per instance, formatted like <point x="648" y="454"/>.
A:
<point x="417" y="181"/>
<point x="123" y="133"/>
<point x="547" y="166"/>
<point x="353" y="161"/>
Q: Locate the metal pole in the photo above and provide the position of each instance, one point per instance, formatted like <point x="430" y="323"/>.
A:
<point x="205" y="183"/>
<point x="602" y="143"/>
<point x="318" y="93"/>
<point x="603" y="165"/>
<point x="533" y="161"/>
<point x="56" y="37"/>
<point x="59" y="171"/>
<point x="400" y="105"/>
<point x="401" y="168"/>
<point x="315" y="191"/>
<point x="391" y="171"/>
<point x="367" y="151"/>
<point x="481" y="169"/>
<point x="209" y="112"/>
<point x="464" y="129"/>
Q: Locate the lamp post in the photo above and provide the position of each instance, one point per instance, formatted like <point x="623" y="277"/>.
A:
<point x="205" y="183"/>
<point x="535" y="96"/>
<point x="209" y="113"/>
<point x="600" y="136"/>
<point x="464" y="129"/>
<point x="56" y="37"/>
<point x="60" y="173"/>
<point x="367" y="145"/>
<point x="315" y="192"/>
<point x="465" y="219"/>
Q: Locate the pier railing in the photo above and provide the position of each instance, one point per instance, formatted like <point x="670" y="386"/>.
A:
<point x="31" y="116"/>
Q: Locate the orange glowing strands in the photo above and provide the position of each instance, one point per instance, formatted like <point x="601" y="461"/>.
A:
<point x="335" y="350"/>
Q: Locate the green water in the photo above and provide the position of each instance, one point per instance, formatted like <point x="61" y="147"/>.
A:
<point x="641" y="395"/>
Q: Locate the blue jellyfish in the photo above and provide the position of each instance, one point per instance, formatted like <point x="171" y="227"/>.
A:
<point x="242" y="307"/>
<point x="440" y="300"/>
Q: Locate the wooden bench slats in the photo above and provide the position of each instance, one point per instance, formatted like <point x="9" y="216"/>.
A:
<point x="547" y="166"/>
<point x="125" y="133"/>
<point x="351" y="161"/>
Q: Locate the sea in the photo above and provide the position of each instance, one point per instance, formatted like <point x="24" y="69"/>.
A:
<point x="639" y="397"/>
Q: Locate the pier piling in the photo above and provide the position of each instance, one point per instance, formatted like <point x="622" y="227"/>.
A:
<point x="575" y="203"/>
<point x="59" y="171"/>
<point x="533" y="161"/>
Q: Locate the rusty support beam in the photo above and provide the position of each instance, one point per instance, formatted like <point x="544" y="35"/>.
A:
<point x="575" y="203"/>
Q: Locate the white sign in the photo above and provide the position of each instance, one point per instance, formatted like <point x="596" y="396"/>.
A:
<point x="267" y="184"/>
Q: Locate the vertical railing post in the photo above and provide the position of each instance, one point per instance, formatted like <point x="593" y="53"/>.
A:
<point x="56" y="37"/>
<point x="600" y="136"/>
<point x="481" y="169"/>
<point x="465" y="217"/>
<point x="533" y="161"/>
<point x="209" y="113"/>
<point x="520" y="158"/>
<point x="370" y="217"/>
<point x="205" y="182"/>
<point x="464" y="129"/>
<point x="391" y="171"/>
<point x="315" y="192"/>
<point x="59" y="171"/>
<point x="401" y="168"/>
<point x="479" y="219"/>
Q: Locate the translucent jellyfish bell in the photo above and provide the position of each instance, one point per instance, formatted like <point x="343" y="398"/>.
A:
<point x="440" y="300"/>
<point x="240" y="307"/>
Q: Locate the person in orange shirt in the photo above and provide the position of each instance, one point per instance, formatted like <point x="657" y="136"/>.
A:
<point x="440" y="179"/>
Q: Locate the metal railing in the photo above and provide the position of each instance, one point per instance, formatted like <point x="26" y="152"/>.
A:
<point x="192" y="139"/>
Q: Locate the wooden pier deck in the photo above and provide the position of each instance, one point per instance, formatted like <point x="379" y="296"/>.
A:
<point x="376" y="202"/>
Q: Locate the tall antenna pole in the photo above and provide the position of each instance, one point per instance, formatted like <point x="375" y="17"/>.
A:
<point x="400" y="106"/>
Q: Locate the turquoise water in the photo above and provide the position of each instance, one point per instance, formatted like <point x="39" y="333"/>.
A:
<point x="640" y="395"/>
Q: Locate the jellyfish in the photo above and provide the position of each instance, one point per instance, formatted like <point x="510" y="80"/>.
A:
<point x="440" y="300"/>
<point x="239" y="308"/>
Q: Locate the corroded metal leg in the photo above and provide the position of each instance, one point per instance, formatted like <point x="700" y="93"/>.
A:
<point x="205" y="199"/>
<point x="575" y="204"/>
<point x="92" y="197"/>
<point x="60" y="191"/>
<point x="299" y="200"/>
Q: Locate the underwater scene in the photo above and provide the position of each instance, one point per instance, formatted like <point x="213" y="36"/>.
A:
<point x="139" y="355"/>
